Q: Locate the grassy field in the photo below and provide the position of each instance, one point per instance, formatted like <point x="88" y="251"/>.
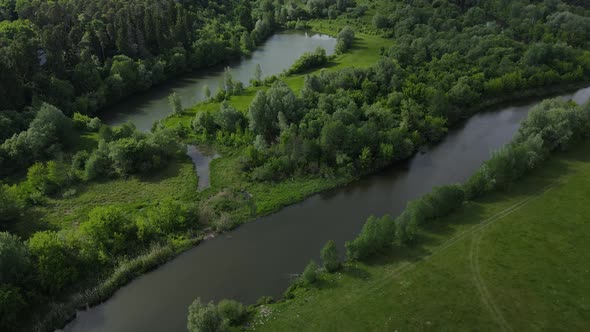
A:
<point x="514" y="261"/>
<point x="177" y="181"/>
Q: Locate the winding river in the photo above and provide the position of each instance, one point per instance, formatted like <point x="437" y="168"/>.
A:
<point x="258" y="258"/>
<point x="278" y="53"/>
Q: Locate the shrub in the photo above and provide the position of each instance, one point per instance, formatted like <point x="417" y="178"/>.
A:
<point x="228" y="118"/>
<point x="310" y="273"/>
<point x="233" y="312"/>
<point x="11" y="206"/>
<point x="167" y="218"/>
<point x="108" y="232"/>
<point x="439" y="202"/>
<point x="309" y="60"/>
<point x="127" y="151"/>
<point x="54" y="259"/>
<point x="376" y="235"/>
<point x="175" y="103"/>
<point x="46" y="136"/>
<point x="12" y="305"/>
<point x="47" y="178"/>
<point x="204" y="317"/>
<point x="558" y="122"/>
<point x="345" y="40"/>
<point x="84" y="122"/>
<point x="204" y="122"/>
<point x="15" y="260"/>
<point x="329" y="255"/>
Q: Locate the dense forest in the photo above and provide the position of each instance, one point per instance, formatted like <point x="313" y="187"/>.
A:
<point x="62" y="61"/>
<point x="82" y="55"/>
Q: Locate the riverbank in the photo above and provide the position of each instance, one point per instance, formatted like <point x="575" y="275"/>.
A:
<point x="494" y="244"/>
<point x="268" y="197"/>
<point x="225" y="249"/>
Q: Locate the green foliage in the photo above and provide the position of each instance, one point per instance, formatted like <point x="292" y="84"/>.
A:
<point x="48" y="134"/>
<point x="233" y="312"/>
<point x="175" y="103"/>
<point x="206" y="92"/>
<point x="124" y="151"/>
<point x="376" y="235"/>
<point x="165" y="219"/>
<point x="115" y="49"/>
<point x="204" y="318"/>
<point x="12" y="307"/>
<point x="54" y="258"/>
<point x="309" y="60"/>
<point x="46" y="178"/>
<point x="264" y="110"/>
<point x="310" y="273"/>
<point x="229" y="119"/>
<point x="557" y="122"/>
<point x="345" y="40"/>
<point x="330" y="257"/>
<point x="11" y="205"/>
<point x="15" y="260"/>
<point x="511" y="251"/>
<point x="84" y="122"/>
<point x="108" y="232"/>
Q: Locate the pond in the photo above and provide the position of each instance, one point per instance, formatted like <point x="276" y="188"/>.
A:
<point x="278" y="53"/>
<point x="258" y="258"/>
<point x="201" y="157"/>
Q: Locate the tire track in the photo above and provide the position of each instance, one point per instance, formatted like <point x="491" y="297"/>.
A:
<point x="380" y="283"/>
<point x="484" y="292"/>
<point x="403" y="267"/>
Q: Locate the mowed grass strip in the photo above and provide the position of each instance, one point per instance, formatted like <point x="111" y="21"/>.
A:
<point x="525" y="268"/>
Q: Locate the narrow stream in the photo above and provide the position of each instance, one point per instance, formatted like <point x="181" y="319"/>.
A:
<point x="257" y="258"/>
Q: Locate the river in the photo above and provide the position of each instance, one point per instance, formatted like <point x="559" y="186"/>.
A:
<point x="278" y="53"/>
<point x="258" y="258"/>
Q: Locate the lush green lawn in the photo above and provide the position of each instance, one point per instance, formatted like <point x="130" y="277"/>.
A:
<point x="515" y="260"/>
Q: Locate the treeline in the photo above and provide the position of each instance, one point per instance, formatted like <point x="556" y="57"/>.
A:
<point x="81" y="55"/>
<point x="445" y="63"/>
<point x="552" y="125"/>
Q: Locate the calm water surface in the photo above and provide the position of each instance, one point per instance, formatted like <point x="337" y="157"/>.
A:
<point x="201" y="158"/>
<point x="277" y="54"/>
<point x="258" y="258"/>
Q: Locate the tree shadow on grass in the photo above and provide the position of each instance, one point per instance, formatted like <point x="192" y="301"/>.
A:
<point x="322" y="283"/>
<point x="356" y="272"/>
<point x="172" y="170"/>
<point x="359" y="44"/>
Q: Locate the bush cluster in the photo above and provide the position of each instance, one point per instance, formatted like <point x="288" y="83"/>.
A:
<point x="553" y="124"/>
